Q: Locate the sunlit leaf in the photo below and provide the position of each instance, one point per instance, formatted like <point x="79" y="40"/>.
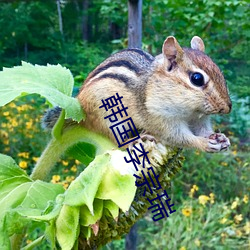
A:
<point x="118" y="188"/>
<point x="83" y="152"/>
<point x="86" y="218"/>
<point x="53" y="82"/>
<point x="39" y="194"/>
<point x="83" y="189"/>
<point x="21" y="197"/>
<point x="67" y="225"/>
<point x="112" y="208"/>
<point x="11" y="183"/>
<point x="9" y="168"/>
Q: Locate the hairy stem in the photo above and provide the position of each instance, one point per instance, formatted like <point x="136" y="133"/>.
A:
<point x="57" y="147"/>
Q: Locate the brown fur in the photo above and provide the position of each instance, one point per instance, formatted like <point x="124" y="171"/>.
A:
<point x="159" y="95"/>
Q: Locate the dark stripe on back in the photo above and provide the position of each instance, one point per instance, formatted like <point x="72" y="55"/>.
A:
<point x="142" y="53"/>
<point x="118" y="77"/>
<point x="118" y="63"/>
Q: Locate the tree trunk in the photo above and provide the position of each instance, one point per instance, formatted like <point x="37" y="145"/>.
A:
<point x="135" y="23"/>
<point x="59" y="16"/>
<point x="131" y="238"/>
<point x="134" y="41"/>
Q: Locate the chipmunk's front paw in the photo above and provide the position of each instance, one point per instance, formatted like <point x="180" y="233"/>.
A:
<point x="143" y="137"/>
<point x="217" y="142"/>
<point x="148" y="137"/>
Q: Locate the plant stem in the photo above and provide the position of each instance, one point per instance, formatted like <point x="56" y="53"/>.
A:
<point x="57" y="147"/>
<point x="16" y="240"/>
<point x="52" y="153"/>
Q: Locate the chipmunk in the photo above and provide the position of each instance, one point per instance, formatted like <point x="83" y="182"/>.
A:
<point x="170" y="96"/>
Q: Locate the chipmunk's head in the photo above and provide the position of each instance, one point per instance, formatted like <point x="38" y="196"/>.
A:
<point x="194" y="77"/>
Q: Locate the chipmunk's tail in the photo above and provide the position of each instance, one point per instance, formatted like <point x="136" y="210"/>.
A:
<point x="50" y="118"/>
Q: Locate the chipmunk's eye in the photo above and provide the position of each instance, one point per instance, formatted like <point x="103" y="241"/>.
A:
<point x="197" y="79"/>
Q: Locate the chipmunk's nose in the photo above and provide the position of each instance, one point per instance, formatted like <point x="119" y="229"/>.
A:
<point x="227" y="108"/>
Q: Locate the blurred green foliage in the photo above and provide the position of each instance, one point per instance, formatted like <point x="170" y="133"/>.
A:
<point x="30" y="32"/>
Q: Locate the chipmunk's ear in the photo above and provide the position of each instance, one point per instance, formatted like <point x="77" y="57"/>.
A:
<point x="171" y="49"/>
<point x="197" y="43"/>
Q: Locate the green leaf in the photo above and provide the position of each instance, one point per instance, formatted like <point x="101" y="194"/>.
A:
<point x="9" y="168"/>
<point x="58" y="127"/>
<point x="83" y="189"/>
<point x="14" y="223"/>
<point x="39" y="194"/>
<point x="6" y="186"/>
<point x="34" y="243"/>
<point x="101" y="180"/>
<point x="67" y="226"/>
<point x="47" y="216"/>
<point x="4" y="240"/>
<point x="7" y="220"/>
<point x="50" y="234"/>
<point x="86" y="218"/>
<point x="53" y="82"/>
<point x="83" y="152"/>
<point x="112" y="208"/>
<point x="26" y="202"/>
<point x="20" y="197"/>
<point x="86" y="232"/>
<point x="14" y="198"/>
<point x="118" y="188"/>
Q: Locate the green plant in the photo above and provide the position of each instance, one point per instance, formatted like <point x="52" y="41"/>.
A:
<point x="204" y="223"/>
<point x="99" y="204"/>
<point x="227" y="172"/>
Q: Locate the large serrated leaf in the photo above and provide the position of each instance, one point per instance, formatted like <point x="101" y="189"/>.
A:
<point x="21" y="197"/>
<point x="83" y="189"/>
<point x="53" y="82"/>
<point x="39" y="194"/>
<point x="118" y="188"/>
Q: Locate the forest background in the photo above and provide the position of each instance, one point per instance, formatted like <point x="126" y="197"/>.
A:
<point x="211" y="192"/>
